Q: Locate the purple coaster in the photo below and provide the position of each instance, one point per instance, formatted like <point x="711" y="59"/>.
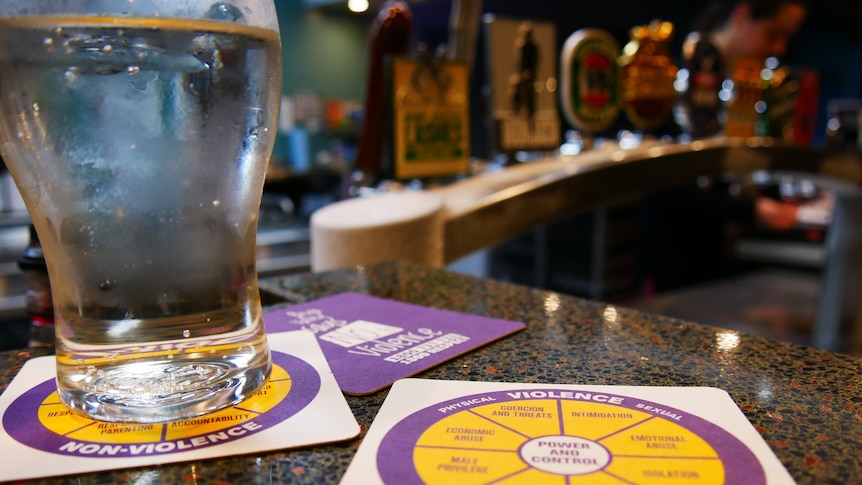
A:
<point x="371" y="342"/>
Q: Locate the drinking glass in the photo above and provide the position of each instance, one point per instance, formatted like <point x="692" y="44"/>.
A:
<point x="138" y="133"/>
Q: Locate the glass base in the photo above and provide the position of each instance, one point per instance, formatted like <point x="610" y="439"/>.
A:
<point x="154" y="392"/>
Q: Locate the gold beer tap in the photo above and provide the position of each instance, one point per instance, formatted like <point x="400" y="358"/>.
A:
<point x="648" y="74"/>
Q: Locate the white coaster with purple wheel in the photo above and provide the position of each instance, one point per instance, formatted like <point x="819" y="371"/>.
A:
<point x="38" y="428"/>
<point x="442" y="432"/>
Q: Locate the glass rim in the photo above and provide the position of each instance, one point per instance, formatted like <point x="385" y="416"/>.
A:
<point x="259" y="14"/>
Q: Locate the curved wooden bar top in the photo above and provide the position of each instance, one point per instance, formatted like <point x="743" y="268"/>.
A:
<point x="492" y="207"/>
<point x="512" y="201"/>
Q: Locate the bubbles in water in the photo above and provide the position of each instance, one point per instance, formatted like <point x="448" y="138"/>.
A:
<point x="107" y="49"/>
<point x="71" y="75"/>
<point x="107" y="285"/>
<point x="216" y="203"/>
<point x="48" y="42"/>
<point x="187" y="333"/>
<point x="91" y="369"/>
<point x="133" y="69"/>
<point x="224" y="11"/>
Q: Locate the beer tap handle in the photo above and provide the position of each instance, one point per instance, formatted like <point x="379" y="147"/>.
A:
<point x="390" y="36"/>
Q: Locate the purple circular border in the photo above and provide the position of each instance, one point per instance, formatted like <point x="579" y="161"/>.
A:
<point x="398" y="445"/>
<point x="22" y="423"/>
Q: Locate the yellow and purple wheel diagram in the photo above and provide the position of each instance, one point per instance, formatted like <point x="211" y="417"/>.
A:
<point x="39" y="420"/>
<point x="549" y="440"/>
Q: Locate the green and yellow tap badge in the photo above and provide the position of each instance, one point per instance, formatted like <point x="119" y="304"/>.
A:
<point x="431" y="118"/>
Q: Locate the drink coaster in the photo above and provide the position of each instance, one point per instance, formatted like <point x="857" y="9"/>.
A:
<point x="441" y="432"/>
<point x="371" y="342"/>
<point x="38" y="428"/>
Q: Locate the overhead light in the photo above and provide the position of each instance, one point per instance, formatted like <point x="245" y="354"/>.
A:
<point x="357" y="5"/>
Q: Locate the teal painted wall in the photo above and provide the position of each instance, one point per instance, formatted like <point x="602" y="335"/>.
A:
<point x="322" y="53"/>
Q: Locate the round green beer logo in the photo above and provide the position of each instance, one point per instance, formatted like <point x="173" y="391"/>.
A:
<point x="590" y="80"/>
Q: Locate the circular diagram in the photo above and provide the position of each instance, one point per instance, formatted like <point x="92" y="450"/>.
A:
<point x="40" y="420"/>
<point x="571" y="437"/>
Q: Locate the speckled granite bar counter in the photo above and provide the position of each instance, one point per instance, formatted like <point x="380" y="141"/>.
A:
<point x="806" y="403"/>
